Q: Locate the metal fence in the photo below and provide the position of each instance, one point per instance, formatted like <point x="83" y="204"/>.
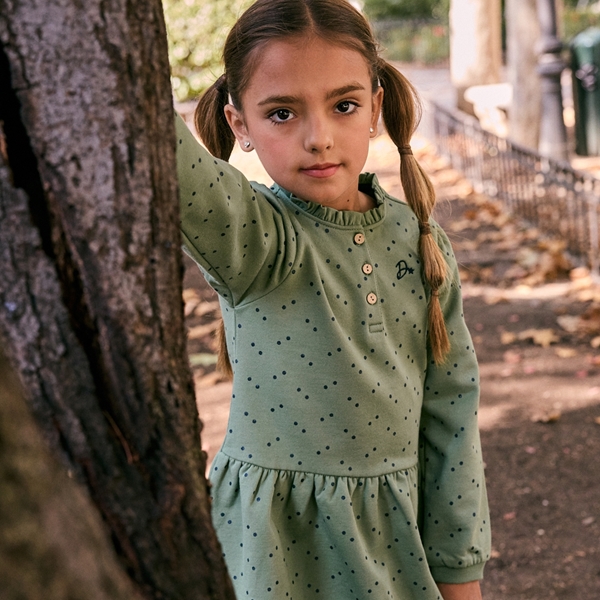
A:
<point x="549" y="194"/>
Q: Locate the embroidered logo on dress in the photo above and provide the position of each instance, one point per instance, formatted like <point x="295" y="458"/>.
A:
<point x="403" y="269"/>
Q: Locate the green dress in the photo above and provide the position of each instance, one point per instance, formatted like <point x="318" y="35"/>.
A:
<point x="352" y="465"/>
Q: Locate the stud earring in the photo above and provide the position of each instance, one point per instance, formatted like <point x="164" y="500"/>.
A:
<point x="371" y="130"/>
<point x="246" y="144"/>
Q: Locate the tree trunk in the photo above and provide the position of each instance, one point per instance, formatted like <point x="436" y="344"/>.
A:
<point x="44" y="516"/>
<point x="90" y="294"/>
<point x="522" y="40"/>
<point x="475" y="45"/>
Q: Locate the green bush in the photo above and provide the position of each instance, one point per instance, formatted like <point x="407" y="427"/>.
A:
<point x="196" y="30"/>
<point x="405" y="9"/>
<point x="575" y="21"/>
<point x="417" y="42"/>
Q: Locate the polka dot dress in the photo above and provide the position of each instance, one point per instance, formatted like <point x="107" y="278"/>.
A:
<point x="351" y="466"/>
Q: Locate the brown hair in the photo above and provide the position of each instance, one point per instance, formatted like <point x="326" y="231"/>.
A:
<point x="338" y="22"/>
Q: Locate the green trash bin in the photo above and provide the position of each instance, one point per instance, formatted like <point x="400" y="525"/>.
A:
<point x="585" y="66"/>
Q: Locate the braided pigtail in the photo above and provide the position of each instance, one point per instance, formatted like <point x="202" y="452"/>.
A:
<point x="401" y="113"/>
<point x="210" y="121"/>
<point x="214" y="131"/>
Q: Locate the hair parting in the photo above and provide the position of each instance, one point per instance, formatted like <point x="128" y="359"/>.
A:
<point x="338" y="22"/>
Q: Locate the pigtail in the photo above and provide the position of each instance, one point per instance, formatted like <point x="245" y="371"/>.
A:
<point x="401" y="113"/>
<point x="214" y="131"/>
<point x="210" y="121"/>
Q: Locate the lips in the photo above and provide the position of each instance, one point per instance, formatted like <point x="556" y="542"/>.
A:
<point x="321" y="170"/>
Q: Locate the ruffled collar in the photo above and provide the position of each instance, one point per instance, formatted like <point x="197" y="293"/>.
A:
<point x="346" y="218"/>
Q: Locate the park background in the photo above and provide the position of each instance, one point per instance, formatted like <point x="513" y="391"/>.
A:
<point x="533" y="308"/>
<point x="102" y="489"/>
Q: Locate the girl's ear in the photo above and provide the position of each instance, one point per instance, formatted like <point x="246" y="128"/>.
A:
<point x="238" y="126"/>
<point x="376" y="104"/>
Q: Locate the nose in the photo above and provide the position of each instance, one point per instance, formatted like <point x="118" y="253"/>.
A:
<point x="319" y="135"/>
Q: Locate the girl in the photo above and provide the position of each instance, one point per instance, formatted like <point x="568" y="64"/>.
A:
<point x="351" y="468"/>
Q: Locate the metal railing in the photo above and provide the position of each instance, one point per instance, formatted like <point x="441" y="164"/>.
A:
<point x="549" y="194"/>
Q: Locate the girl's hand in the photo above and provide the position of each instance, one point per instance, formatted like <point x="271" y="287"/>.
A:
<point x="460" y="591"/>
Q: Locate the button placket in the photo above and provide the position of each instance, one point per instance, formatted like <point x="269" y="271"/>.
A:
<point x="371" y="298"/>
<point x="359" y="238"/>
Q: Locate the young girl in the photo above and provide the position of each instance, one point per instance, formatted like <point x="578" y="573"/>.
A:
<point x="351" y="468"/>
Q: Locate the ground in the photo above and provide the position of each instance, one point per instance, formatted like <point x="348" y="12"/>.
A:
<point x="535" y="320"/>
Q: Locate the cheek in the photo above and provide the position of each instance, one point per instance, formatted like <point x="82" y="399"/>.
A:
<point x="274" y="149"/>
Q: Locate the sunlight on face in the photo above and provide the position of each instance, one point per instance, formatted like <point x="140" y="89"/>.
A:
<point x="307" y="111"/>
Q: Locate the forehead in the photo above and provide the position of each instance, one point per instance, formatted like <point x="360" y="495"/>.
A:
<point x="309" y="65"/>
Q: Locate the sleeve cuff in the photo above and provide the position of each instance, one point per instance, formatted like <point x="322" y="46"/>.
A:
<point x="462" y="575"/>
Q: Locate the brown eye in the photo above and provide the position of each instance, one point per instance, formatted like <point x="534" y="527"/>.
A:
<point x="346" y="107"/>
<point x="281" y="115"/>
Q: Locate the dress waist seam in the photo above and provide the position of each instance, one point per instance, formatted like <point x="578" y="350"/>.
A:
<point x="316" y="473"/>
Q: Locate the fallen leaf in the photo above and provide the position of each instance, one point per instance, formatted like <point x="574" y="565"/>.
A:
<point x="588" y="521"/>
<point x="569" y="323"/>
<point x="566" y="352"/>
<point x="190" y="294"/>
<point x="550" y="417"/>
<point x="508" y="337"/>
<point x="595" y="343"/>
<point x="597" y="420"/>
<point x="540" y="337"/>
<point x="203" y="359"/>
<point x="496" y="299"/>
<point x="579" y="273"/>
<point x="581" y="278"/>
<point x="530" y="449"/>
<point x="590" y="320"/>
<point x="191" y="300"/>
<point x="509" y="516"/>
<point x="206" y="307"/>
<point x="201" y="330"/>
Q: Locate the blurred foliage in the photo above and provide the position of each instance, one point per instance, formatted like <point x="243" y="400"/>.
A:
<point x="575" y="21"/>
<point x="411" y="30"/>
<point x="196" y="30"/>
<point x="406" y="9"/>
<point x="414" y="41"/>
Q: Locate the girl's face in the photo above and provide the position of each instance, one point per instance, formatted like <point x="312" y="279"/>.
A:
<point x="307" y="111"/>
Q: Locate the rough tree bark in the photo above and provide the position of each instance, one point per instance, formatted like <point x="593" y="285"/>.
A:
<point x="90" y="288"/>
<point x="44" y="516"/>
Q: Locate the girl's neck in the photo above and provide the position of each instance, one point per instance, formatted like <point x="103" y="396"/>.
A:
<point x="365" y="203"/>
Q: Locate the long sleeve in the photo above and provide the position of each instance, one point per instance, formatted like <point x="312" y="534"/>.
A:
<point x="455" y="524"/>
<point x="237" y="234"/>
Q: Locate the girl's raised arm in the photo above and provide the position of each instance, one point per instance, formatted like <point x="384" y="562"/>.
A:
<point x="232" y="228"/>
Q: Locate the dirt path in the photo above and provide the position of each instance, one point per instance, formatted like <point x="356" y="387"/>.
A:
<point x="540" y="374"/>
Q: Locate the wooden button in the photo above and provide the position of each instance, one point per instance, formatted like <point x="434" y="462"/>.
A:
<point x="367" y="269"/>
<point x="359" y="239"/>
<point x="371" y="298"/>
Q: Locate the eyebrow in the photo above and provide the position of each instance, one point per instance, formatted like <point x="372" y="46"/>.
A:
<point x="341" y="91"/>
